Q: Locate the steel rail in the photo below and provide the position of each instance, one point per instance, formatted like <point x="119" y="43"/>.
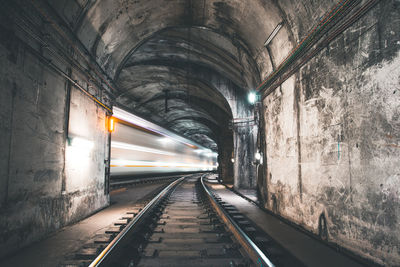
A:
<point x="143" y="180"/>
<point x="255" y="254"/>
<point x="136" y="220"/>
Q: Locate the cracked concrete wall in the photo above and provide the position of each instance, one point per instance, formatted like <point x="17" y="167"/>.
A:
<point x="332" y="135"/>
<point x="37" y="194"/>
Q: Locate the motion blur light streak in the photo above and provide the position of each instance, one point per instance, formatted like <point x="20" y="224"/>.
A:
<point x="212" y="154"/>
<point x="115" y="144"/>
<point x="137" y="164"/>
<point x="137" y="150"/>
<point x="131" y="118"/>
<point x="206" y="152"/>
<point x="165" y="140"/>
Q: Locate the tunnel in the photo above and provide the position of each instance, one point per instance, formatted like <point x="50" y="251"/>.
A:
<point x="290" y="106"/>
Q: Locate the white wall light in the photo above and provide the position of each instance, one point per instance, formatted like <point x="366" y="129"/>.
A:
<point x="252" y="97"/>
<point x="273" y="33"/>
<point x="258" y="157"/>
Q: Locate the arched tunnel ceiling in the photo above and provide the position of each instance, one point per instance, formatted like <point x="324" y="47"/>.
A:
<point x="112" y="29"/>
<point x="176" y="50"/>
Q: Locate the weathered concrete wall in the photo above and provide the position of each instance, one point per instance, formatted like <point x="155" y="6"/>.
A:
<point x="332" y="134"/>
<point x="244" y="151"/>
<point x="225" y="151"/>
<point x="38" y="191"/>
<point x="84" y="163"/>
<point x="243" y="127"/>
<point x="244" y="130"/>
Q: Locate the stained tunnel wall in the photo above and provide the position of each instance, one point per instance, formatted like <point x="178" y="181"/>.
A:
<point x="42" y="188"/>
<point x="332" y="135"/>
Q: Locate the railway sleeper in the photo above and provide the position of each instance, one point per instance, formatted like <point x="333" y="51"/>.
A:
<point x="88" y="252"/>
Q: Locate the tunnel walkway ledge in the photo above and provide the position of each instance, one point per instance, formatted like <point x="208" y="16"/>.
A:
<point x="308" y="249"/>
<point x="54" y="249"/>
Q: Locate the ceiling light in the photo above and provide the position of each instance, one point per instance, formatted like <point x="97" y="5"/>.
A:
<point x="273" y="33"/>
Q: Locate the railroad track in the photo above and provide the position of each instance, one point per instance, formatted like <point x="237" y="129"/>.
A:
<point x="116" y="183"/>
<point x="187" y="225"/>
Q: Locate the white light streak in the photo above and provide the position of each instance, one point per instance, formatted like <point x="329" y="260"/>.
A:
<point x="206" y="152"/>
<point x="121" y="145"/>
<point x="131" y="118"/>
<point x="131" y="163"/>
<point x="165" y="140"/>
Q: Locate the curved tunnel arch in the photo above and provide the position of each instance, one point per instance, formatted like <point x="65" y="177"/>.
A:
<point x="219" y="43"/>
<point x="121" y="29"/>
<point x="315" y="131"/>
<point x="196" y="40"/>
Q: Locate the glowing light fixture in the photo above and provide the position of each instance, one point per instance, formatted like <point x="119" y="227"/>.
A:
<point x="252" y="97"/>
<point x="258" y="157"/>
<point x="273" y="33"/>
<point x="111" y="124"/>
<point x="232" y="160"/>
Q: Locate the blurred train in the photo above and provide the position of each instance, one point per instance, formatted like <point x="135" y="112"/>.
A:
<point x="139" y="147"/>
